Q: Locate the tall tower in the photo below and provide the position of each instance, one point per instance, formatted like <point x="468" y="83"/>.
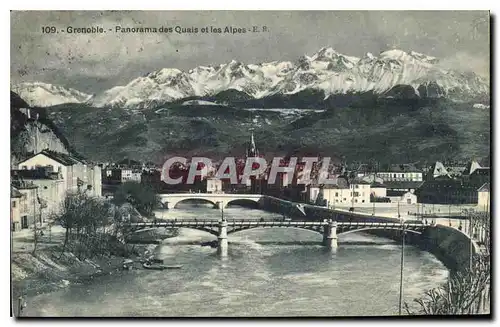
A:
<point x="252" y="150"/>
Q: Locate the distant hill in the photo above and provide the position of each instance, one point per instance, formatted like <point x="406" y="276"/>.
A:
<point x="351" y="127"/>
<point x="33" y="131"/>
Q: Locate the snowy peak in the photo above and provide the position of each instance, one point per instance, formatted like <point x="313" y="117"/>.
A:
<point x="38" y="94"/>
<point x="412" y="57"/>
<point x="325" y="70"/>
<point x="424" y="58"/>
<point x="325" y="54"/>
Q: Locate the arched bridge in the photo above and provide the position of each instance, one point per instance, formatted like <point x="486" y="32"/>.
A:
<point x="329" y="229"/>
<point x="217" y="199"/>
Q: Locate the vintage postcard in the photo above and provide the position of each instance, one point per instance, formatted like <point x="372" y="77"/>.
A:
<point x="250" y="163"/>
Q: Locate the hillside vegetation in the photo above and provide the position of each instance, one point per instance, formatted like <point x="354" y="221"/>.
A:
<point x="356" y="128"/>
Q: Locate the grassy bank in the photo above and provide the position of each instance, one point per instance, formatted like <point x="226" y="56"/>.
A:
<point x="50" y="269"/>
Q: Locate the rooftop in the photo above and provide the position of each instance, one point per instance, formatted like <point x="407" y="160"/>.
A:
<point x="63" y="158"/>
<point x="14" y="193"/>
<point x="402" y="185"/>
<point x="484" y="188"/>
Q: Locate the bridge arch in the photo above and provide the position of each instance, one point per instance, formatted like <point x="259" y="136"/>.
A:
<point x="252" y="203"/>
<point x="317" y="230"/>
<point x="172" y="203"/>
<point x="357" y="230"/>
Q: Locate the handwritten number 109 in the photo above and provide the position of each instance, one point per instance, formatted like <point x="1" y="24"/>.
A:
<point x="48" y="29"/>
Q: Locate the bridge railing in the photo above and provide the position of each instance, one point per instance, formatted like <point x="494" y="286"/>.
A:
<point x="235" y="222"/>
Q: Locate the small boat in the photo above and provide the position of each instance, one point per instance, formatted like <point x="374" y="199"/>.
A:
<point x="160" y="267"/>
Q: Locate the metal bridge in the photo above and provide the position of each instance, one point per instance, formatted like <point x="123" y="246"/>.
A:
<point x="328" y="228"/>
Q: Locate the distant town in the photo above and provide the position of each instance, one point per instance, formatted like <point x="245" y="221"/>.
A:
<point x="40" y="181"/>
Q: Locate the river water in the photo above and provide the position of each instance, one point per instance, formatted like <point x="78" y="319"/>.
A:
<point x="267" y="273"/>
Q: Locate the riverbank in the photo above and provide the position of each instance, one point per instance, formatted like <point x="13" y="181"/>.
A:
<point x="50" y="269"/>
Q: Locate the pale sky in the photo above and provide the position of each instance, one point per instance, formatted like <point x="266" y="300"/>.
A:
<point x="93" y="62"/>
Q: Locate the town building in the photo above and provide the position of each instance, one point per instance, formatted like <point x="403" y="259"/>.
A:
<point x="479" y="176"/>
<point x="76" y="173"/>
<point x="447" y="190"/>
<point x="130" y="175"/>
<point x="378" y="190"/>
<point x="214" y="185"/>
<point x="29" y="206"/>
<point x="404" y="198"/>
<point x="455" y="169"/>
<point x="402" y="187"/>
<point x="94" y="179"/>
<point x="437" y="170"/>
<point x="73" y="171"/>
<point x="403" y="172"/>
<point x="471" y="167"/>
<point x="16" y="198"/>
<point x="50" y="190"/>
<point x="344" y="193"/>
<point x="483" y="198"/>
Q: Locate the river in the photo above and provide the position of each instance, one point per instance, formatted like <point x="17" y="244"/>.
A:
<point x="267" y="273"/>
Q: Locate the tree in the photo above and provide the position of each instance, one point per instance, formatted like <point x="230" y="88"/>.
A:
<point x="141" y="196"/>
<point x="82" y="216"/>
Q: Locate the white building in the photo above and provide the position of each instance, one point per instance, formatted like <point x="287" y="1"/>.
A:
<point x="130" y="175"/>
<point x="342" y="194"/>
<point x="73" y="170"/>
<point x="61" y="173"/>
<point x="214" y="185"/>
<point x="483" y="198"/>
<point x="405" y="198"/>
<point x="405" y="172"/>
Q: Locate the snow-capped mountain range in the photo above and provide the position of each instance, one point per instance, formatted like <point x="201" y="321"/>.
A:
<point x="45" y="95"/>
<point x="326" y="70"/>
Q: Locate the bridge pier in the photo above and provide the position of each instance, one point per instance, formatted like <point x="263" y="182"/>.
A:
<point x="218" y="205"/>
<point x="166" y="205"/>
<point x="222" y="244"/>
<point x="330" y="236"/>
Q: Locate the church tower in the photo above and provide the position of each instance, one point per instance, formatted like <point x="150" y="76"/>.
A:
<point x="252" y="150"/>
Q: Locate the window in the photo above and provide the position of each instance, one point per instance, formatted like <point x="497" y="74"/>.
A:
<point x="336" y="194"/>
<point x="363" y="201"/>
<point x="13" y="204"/>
